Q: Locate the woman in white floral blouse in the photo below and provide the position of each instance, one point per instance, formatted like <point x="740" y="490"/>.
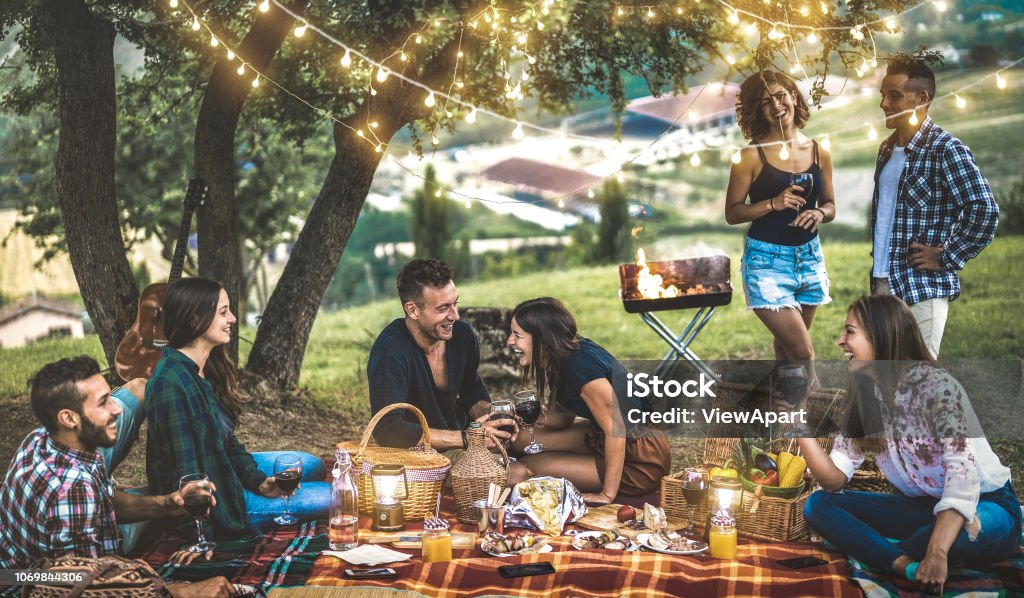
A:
<point x="956" y="503"/>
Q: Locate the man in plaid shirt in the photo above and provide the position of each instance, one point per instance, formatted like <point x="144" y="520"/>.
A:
<point x="932" y="209"/>
<point x="57" y="497"/>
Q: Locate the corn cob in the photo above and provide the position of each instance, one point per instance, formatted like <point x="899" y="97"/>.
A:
<point x="794" y="471"/>
<point x="783" y="462"/>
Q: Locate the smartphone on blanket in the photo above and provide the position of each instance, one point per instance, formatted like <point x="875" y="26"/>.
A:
<point x="802" y="562"/>
<point x="377" y="573"/>
<point x="525" y="570"/>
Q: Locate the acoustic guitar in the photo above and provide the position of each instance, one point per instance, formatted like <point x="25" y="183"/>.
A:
<point x="141" y="348"/>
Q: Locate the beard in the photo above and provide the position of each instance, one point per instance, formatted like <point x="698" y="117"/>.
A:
<point x="96" y="436"/>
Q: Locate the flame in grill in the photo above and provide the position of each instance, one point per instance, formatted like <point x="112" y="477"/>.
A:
<point x="651" y="286"/>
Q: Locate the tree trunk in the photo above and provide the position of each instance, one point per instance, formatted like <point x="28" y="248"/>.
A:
<point x="220" y="247"/>
<point x="284" y="329"/>
<point x="84" y="52"/>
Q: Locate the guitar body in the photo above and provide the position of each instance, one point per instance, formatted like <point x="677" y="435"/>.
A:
<point x="142" y="347"/>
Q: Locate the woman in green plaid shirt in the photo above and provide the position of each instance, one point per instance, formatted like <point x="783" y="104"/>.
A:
<point x="192" y="406"/>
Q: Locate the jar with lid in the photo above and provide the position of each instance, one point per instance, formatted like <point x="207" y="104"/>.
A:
<point x="722" y="537"/>
<point x="437" y="541"/>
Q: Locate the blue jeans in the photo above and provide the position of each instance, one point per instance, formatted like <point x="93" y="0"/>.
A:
<point x="858" y="524"/>
<point x="128" y="424"/>
<point x="311" y="501"/>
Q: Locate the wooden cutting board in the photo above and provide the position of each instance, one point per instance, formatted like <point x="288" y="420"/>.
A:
<point x="411" y="539"/>
<point x="605" y="518"/>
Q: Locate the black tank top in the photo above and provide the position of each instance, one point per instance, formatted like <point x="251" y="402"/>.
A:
<point x="773" y="226"/>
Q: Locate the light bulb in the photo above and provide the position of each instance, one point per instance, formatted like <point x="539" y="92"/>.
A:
<point x="525" y="76"/>
<point x="373" y="91"/>
<point x="231" y="55"/>
<point x="750" y="28"/>
<point x="241" y="69"/>
<point x="913" y="118"/>
<point x="256" y="81"/>
<point x="960" y="102"/>
<point x="695" y="159"/>
<point x="940" y="6"/>
<point x="872" y="133"/>
<point x="804" y="11"/>
<point x="300" y="30"/>
<point x="213" y="41"/>
<point x="734" y="18"/>
<point x="459" y="84"/>
<point x="561" y="204"/>
<point x="812" y="38"/>
<point x="540" y="26"/>
<point x="419" y="39"/>
<point x="619" y="11"/>
<point x="430" y="100"/>
<point x="460" y="54"/>
<point x="1000" y="82"/>
<point x="264" y="6"/>
<point x="890" y="24"/>
<point x="469" y="203"/>
<point x="448" y="113"/>
<point x="590" y="193"/>
<point x="730" y="59"/>
<point x="346" y="60"/>
<point x="690" y="115"/>
<point x="403" y="57"/>
<point x="521" y="39"/>
<point x="517" y="133"/>
<point x="874" y="63"/>
<point x="531" y="60"/>
<point x="437" y="193"/>
<point x="650" y="13"/>
<point x="784" y="152"/>
<point x="434" y="140"/>
<point x="173" y="3"/>
<point x="195" y="23"/>
<point x="379" y="148"/>
<point x="374" y="125"/>
<point x="826" y="143"/>
<point x="736" y="157"/>
<point x="382" y="75"/>
<point x="471" y="117"/>
<point x="824" y="8"/>
<point x="360" y="133"/>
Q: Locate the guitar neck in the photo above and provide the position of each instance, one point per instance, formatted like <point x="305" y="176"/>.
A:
<point x="181" y="246"/>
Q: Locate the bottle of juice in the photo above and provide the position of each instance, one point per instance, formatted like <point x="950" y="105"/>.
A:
<point x="722" y="537"/>
<point x="437" y="541"/>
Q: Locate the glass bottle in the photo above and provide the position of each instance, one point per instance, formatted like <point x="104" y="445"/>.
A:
<point x="343" y="530"/>
<point x="722" y="538"/>
<point x="437" y="541"/>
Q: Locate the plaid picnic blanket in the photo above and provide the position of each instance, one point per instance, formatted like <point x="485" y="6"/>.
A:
<point x="613" y="574"/>
<point x="1002" y="579"/>
<point x="280" y="557"/>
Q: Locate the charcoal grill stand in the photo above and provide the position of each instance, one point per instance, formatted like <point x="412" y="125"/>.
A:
<point x="680" y="344"/>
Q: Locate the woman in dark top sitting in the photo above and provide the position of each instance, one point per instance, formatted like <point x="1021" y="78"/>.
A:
<point x="784" y="277"/>
<point x="192" y="406"/>
<point x="602" y="453"/>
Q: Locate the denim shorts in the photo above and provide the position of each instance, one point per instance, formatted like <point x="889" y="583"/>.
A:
<point x="781" y="276"/>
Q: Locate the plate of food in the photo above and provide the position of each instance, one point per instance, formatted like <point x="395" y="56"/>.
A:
<point x="514" y="544"/>
<point x="600" y="540"/>
<point x="671" y="543"/>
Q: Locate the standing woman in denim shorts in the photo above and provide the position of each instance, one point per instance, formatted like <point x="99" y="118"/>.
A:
<point x="784" y="277"/>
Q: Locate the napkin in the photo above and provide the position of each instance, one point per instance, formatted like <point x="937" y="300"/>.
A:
<point x="369" y="554"/>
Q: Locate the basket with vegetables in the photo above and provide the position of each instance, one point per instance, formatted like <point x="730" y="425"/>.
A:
<point x="767" y="474"/>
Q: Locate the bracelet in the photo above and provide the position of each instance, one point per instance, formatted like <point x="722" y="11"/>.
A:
<point x="819" y="210"/>
<point x="465" y="440"/>
<point x="771" y="204"/>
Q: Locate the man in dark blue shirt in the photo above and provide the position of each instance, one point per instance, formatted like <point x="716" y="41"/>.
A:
<point x="429" y="359"/>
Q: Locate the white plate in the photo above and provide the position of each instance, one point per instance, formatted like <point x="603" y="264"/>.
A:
<point x="698" y="546"/>
<point x="543" y="549"/>
<point x="593" y="534"/>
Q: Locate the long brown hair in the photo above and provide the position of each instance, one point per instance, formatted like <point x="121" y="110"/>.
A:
<point x="753" y="124"/>
<point x="553" y="329"/>
<point x="188" y="309"/>
<point x="896" y="338"/>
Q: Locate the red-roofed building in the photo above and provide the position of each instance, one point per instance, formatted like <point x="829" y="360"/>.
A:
<point x="533" y="180"/>
<point x="710" y="106"/>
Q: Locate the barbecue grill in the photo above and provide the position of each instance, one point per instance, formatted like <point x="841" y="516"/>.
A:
<point x="701" y="283"/>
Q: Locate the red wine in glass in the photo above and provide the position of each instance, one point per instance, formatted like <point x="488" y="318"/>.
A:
<point x="198" y="505"/>
<point x="528" y="410"/>
<point x="287" y="481"/>
<point x="805" y="181"/>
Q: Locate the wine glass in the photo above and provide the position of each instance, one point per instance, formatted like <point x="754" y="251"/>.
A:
<point x="528" y="410"/>
<point x="805" y="181"/>
<point x="502" y="409"/>
<point x="197" y="493"/>
<point x="695" y="487"/>
<point x="287" y="473"/>
<point x="792" y="384"/>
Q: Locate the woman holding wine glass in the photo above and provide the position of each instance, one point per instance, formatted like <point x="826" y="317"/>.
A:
<point x="788" y="180"/>
<point x="192" y="407"/>
<point x="581" y="392"/>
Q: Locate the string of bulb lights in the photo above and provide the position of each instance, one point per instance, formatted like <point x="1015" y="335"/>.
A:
<point x="383" y="72"/>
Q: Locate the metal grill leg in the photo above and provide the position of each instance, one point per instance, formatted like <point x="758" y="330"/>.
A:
<point x="679" y="344"/>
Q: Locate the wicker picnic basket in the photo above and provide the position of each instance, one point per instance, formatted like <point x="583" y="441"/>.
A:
<point x="761" y="517"/>
<point x="473" y="475"/>
<point x="425" y="468"/>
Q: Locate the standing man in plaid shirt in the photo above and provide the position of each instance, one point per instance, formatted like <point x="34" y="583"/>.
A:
<point x="57" y="497"/>
<point x="932" y="209"/>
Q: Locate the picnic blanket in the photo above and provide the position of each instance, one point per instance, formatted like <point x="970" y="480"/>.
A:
<point x="1002" y="579"/>
<point x="283" y="556"/>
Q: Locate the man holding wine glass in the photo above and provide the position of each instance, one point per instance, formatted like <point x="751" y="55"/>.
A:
<point x="57" y="496"/>
<point x="429" y="358"/>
